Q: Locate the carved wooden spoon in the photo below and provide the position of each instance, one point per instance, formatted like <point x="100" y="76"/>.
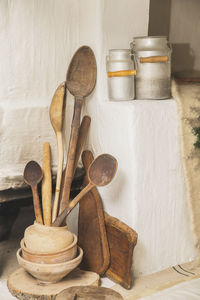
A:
<point x="56" y="116"/>
<point x="81" y="80"/>
<point x="100" y="173"/>
<point x="32" y="176"/>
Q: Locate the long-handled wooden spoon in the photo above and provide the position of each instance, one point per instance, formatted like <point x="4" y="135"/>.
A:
<point x="32" y="176"/>
<point x="46" y="184"/>
<point x="56" y="116"/>
<point x="81" y="80"/>
<point x="83" y="131"/>
<point x="85" y="124"/>
<point x="100" y="173"/>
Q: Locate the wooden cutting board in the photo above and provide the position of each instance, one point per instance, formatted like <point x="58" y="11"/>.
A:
<point x="122" y="240"/>
<point x="120" y="237"/>
<point x="88" y="293"/>
<point x="92" y="236"/>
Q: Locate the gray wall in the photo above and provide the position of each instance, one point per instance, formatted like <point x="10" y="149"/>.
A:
<point x="159" y="17"/>
<point x="180" y="21"/>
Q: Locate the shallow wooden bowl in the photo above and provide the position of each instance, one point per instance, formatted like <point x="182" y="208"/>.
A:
<point x="49" y="273"/>
<point x="60" y="256"/>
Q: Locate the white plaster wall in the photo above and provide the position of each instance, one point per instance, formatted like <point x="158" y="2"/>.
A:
<point x="37" y="41"/>
<point x="148" y="192"/>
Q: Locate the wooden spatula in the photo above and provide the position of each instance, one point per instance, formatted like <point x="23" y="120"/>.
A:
<point x="46" y="185"/>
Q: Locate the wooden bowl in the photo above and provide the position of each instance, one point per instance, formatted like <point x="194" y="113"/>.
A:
<point x="60" y="256"/>
<point x="49" y="273"/>
<point x="42" y="238"/>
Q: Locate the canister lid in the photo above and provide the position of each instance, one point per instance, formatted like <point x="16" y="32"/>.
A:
<point x="151" y="37"/>
<point x="150" y="43"/>
<point x="119" y="54"/>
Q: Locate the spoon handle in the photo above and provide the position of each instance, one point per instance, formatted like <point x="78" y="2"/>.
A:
<point x="85" y="124"/>
<point x="46" y="185"/>
<point x="69" y="170"/>
<point x="36" y="204"/>
<point x="59" y="220"/>
<point x="59" y="175"/>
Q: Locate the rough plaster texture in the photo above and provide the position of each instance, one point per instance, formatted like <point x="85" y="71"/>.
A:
<point x="148" y="192"/>
<point x="38" y="39"/>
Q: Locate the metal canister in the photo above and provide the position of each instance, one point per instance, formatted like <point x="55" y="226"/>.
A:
<point x="152" y="56"/>
<point x="121" y="81"/>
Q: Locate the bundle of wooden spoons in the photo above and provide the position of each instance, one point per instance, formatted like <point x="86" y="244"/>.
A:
<point x="80" y="81"/>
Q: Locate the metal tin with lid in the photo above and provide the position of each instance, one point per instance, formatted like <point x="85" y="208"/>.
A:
<point x="152" y="55"/>
<point x="120" y="69"/>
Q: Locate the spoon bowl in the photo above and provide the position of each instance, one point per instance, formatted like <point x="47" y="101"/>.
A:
<point x="82" y="72"/>
<point x="56" y="111"/>
<point x="32" y="176"/>
<point x="102" y="170"/>
<point x="32" y="173"/>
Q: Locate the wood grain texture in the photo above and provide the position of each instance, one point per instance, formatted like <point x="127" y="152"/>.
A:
<point x="61" y="218"/>
<point x="81" y="80"/>
<point x="32" y="176"/>
<point x="122" y="73"/>
<point x="46" y="185"/>
<point x="25" y="287"/>
<point x="101" y="172"/>
<point x="154" y="59"/>
<point x="69" y="169"/>
<point x="83" y="131"/>
<point x="36" y="205"/>
<point x="122" y="240"/>
<point x="56" y="113"/>
<point x="89" y="293"/>
<point x="91" y="227"/>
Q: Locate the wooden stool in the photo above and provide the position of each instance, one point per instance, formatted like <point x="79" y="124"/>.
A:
<point x="25" y="287"/>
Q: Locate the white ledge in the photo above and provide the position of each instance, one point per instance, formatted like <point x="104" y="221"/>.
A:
<point x="148" y="192"/>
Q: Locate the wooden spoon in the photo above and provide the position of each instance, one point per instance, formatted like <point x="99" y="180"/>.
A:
<point x="81" y="80"/>
<point x="56" y="116"/>
<point x="32" y="176"/>
<point x="83" y="131"/>
<point x="100" y="173"/>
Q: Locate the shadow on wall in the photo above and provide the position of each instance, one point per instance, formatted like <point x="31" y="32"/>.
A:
<point x="183" y="56"/>
<point x="183" y="59"/>
<point x="159" y="17"/>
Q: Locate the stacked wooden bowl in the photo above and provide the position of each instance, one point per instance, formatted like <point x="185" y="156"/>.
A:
<point x="49" y="253"/>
